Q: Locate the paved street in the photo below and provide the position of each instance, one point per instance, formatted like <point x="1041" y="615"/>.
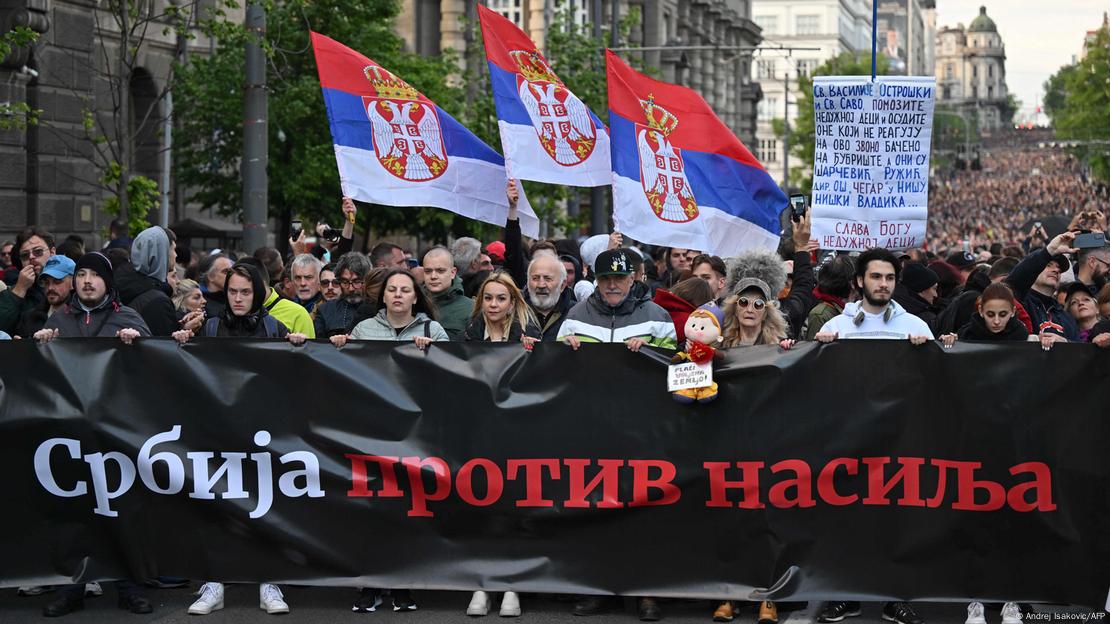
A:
<point x="326" y="605"/>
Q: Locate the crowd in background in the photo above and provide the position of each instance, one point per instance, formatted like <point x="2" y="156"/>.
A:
<point x="1016" y="186"/>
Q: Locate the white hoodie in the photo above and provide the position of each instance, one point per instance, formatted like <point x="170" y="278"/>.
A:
<point x="901" y="325"/>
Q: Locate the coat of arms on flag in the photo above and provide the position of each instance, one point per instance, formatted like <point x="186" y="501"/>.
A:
<point x="548" y="134"/>
<point x="661" y="170"/>
<point x="407" y="136"/>
<point x="561" y="120"/>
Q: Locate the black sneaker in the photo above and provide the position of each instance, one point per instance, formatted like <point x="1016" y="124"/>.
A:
<point x="901" y="612"/>
<point x="368" y="601"/>
<point x="64" y="606"/>
<point x="837" y="611"/>
<point x="135" y="603"/>
<point x="595" y="605"/>
<point x="403" y="600"/>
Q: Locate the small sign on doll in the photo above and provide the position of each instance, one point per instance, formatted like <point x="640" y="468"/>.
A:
<point x="689" y="375"/>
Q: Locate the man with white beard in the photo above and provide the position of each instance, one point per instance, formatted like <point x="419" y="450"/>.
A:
<point x="547" y="295"/>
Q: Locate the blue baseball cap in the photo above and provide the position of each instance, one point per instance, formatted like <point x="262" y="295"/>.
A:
<point x="59" y="267"/>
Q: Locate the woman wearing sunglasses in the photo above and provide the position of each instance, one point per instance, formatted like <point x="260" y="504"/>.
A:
<point x="752" y="315"/>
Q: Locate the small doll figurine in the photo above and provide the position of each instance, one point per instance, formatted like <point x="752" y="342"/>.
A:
<point x="703" y="334"/>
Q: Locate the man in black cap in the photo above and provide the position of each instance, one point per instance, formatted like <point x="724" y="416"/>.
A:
<point x="94" y="309"/>
<point x="916" y="292"/>
<point x="964" y="261"/>
<point x="613" y="314"/>
<point x="1034" y="281"/>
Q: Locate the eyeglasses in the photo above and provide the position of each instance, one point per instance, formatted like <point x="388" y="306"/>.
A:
<point x="744" y="302"/>
<point x="1100" y="260"/>
<point x="37" y="252"/>
<point x="344" y="282"/>
<point x="328" y="283"/>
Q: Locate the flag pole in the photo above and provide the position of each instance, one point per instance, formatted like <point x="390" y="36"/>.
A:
<point x="874" y="38"/>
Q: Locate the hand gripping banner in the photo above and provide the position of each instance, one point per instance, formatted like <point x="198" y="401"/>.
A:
<point x="876" y="471"/>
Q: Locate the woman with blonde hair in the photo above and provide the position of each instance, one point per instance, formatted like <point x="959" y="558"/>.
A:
<point x="500" y="313"/>
<point x="752" y="315"/>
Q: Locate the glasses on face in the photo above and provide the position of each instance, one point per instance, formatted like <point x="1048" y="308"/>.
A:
<point x="329" y="283"/>
<point x="744" y="302"/>
<point x="1101" y="260"/>
<point x="36" y="252"/>
<point x="348" y="283"/>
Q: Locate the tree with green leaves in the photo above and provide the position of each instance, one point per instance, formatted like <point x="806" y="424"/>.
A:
<point x="802" y="131"/>
<point x="1077" y="100"/>
<point x="303" y="179"/>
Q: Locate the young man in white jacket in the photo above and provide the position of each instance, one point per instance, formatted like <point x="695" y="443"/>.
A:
<point x="876" y="315"/>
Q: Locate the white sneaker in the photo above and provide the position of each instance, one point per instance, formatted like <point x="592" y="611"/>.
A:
<point x="479" y="604"/>
<point x="211" y="599"/>
<point x="33" y="590"/>
<point x="975" y="614"/>
<point x="93" y="589"/>
<point x="271" y="599"/>
<point x="510" y="605"/>
<point x="1011" y="613"/>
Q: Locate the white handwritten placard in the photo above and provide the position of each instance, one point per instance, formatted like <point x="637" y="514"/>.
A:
<point x="689" y="375"/>
<point x="871" y="161"/>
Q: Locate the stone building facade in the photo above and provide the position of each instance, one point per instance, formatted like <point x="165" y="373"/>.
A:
<point x="971" y="72"/>
<point x="47" y="174"/>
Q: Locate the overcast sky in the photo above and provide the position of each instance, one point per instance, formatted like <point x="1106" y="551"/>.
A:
<point x="1039" y="35"/>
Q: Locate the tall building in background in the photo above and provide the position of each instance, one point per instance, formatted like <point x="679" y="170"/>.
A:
<point x="904" y="35"/>
<point x="831" y="26"/>
<point x="722" y="77"/>
<point x="971" y="72"/>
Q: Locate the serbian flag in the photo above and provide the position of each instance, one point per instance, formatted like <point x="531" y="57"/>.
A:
<point x="681" y="178"/>
<point x="393" y="146"/>
<point x="547" y="133"/>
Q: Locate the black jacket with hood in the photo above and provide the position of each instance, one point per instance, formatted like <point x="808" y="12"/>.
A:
<point x="142" y="284"/>
<point x="257" y="323"/>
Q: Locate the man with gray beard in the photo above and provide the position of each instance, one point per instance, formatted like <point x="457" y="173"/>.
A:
<point x="547" y="294"/>
<point x="339" y="316"/>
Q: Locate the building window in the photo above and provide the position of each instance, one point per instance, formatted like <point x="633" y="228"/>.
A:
<point x="990" y="93"/>
<point x="769" y="24"/>
<point x="509" y="9"/>
<point x="768" y="150"/>
<point x="949" y="71"/>
<point x="580" y="9"/>
<point x="974" y="71"/>
<point x="765" y="68"/>
<point x="947" y="91"/>
<point x="974" y="92"/>
<point x="807" y="25"/>
<point x="768" y="107"/>
<point x="806" y="67"/>
<point x="990" y="71"/>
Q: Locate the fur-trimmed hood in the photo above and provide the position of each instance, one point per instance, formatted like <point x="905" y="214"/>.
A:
<point x="765" y="265"/>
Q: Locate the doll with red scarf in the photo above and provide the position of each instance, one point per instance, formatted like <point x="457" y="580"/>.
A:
<point x="704" y="330"/>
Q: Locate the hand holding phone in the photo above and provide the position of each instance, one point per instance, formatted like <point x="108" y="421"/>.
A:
<point x="798" y="206"/>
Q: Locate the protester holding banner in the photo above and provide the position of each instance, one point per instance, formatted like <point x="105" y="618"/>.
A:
<point x="876" y="315"/>
<point x="548" y="295"/>
<point x="94" y="309"/>
<point x="613" y="314"/>
<point x="403" y="313"/>
<point x="56" y="282"/>
<point x="245" y="316"/>
<point x="500" y="314"/>
<point x="994" y="319"/>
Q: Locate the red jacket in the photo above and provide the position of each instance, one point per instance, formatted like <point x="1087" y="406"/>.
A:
<point x="678" y="308"/>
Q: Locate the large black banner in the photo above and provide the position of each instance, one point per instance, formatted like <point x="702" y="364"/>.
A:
<point x="855" y="470"/>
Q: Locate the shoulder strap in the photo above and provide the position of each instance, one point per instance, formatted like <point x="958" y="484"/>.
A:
<point x="211" y="326"/>
<point x="270" y="306"/>
<point x="271" y="326"/>
<point x="427" y="329"/>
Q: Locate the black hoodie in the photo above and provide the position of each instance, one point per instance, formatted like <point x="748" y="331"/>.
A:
<point x="254" y="324"/>
<point x="151" y="298"/>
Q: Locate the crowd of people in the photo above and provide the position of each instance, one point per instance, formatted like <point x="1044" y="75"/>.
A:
<point x="599" y="290"/>
<point x="1017" y="185"/>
